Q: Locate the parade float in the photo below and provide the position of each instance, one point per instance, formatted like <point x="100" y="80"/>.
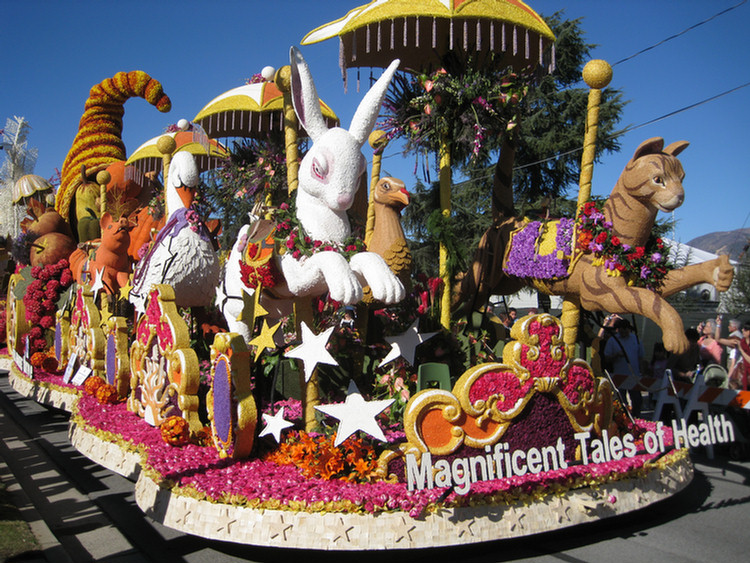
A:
<point x="274" y="423"/>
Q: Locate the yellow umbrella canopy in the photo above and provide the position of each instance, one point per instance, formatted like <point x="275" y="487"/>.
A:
<point x="421" y="32"/>
<point x="148" y="158"/>
<point x="28" y="185"/>
<point x="251" y="110"/>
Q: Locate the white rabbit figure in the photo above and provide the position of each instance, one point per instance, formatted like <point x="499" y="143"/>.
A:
<point x="328" y="180"/>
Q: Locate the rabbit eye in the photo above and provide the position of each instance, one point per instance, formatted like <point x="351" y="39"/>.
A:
<point x="319" y="169"/>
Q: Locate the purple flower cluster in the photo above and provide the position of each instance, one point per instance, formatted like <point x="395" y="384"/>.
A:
<point x="524" y="261"/>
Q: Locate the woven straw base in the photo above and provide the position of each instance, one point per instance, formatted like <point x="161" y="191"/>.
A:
<point x="334" y="531"/>
<point x="41" y="392"/>
<point x="107" y="454"/>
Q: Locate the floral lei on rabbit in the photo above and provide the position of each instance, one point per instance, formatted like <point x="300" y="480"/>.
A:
<point x="257" y="267"/>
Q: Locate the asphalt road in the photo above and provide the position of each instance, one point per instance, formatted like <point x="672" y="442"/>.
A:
<point x="86" y="513"/>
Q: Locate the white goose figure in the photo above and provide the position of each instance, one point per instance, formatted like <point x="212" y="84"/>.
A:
<point x="182" y="254"/>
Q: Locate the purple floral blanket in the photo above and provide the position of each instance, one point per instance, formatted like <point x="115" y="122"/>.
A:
<point x="540" y="249"/>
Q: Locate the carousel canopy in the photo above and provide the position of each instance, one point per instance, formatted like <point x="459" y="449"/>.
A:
<point x="251" y="110"/>
<point x="28" y="185"/>
<point x="148" y="158"/>
<point x="421" y="32"/>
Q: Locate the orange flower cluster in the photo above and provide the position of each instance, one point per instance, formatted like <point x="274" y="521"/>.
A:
<point x="203" y="437"/>
<point x="316" y="456"/>
<point x="37" y="358"/>
<point x="106" y="394"/>
<point x="175" y="431"/>
<point x="92" y="384"/>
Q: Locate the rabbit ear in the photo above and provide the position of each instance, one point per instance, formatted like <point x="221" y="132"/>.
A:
<point x="305" y="97"/>
<point x="369" y="108"/>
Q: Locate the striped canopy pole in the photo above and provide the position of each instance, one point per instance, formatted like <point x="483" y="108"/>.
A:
<point x="283" y="81"/>
<point x="597" y="75"/>
<point x="166" y="145"/>
<point x="445" y="209"/>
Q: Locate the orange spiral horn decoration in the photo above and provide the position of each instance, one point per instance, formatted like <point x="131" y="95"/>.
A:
<point x="99" y="139"/>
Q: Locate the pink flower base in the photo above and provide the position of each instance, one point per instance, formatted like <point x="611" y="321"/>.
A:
<point x="202" y="474"/>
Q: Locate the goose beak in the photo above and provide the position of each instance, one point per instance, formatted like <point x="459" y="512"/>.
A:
<point x="187" y="195"/>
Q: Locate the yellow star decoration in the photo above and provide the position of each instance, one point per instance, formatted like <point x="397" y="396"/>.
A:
<point x="264" y="339"/>
<point x="104" y="313"/>
<point x="251" y="307"/>
<point x="125" y="291"/>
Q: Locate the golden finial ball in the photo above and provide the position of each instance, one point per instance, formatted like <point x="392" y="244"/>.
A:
<point x="166" y="144"/>
<point x="597" y="74"/>
<point x="103" y="177"/>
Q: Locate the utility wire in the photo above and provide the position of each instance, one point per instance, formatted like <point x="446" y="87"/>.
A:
<point x="615" y="134"/>
<point x="634" y="127"/>
<point x="676" y="35"/>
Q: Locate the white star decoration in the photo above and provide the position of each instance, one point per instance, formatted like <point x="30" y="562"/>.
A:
<point x="356" y="414"/>
<point x="312" y="351"/>
<point x="139" y="306"/>
<point x="405" y="344"/>
<point x="275" y="424"/>
<point x="98" y="282"/>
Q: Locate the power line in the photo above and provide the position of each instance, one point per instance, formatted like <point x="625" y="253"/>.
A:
<point x="691" y="106"/>
<point x="684" y="31"/>
<point x="616" y="133"/>
<point x="634" y="127"/>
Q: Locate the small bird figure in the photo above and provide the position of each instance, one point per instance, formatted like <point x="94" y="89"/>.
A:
<point x="387" y="238"/>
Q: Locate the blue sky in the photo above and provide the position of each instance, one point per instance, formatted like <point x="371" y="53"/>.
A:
<point x="53" y="52"/>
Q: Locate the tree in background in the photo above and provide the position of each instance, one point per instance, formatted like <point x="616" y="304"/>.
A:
<point x="554" y="122"/>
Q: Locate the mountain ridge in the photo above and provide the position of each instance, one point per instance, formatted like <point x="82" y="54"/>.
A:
<point x="733" y="243"/>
